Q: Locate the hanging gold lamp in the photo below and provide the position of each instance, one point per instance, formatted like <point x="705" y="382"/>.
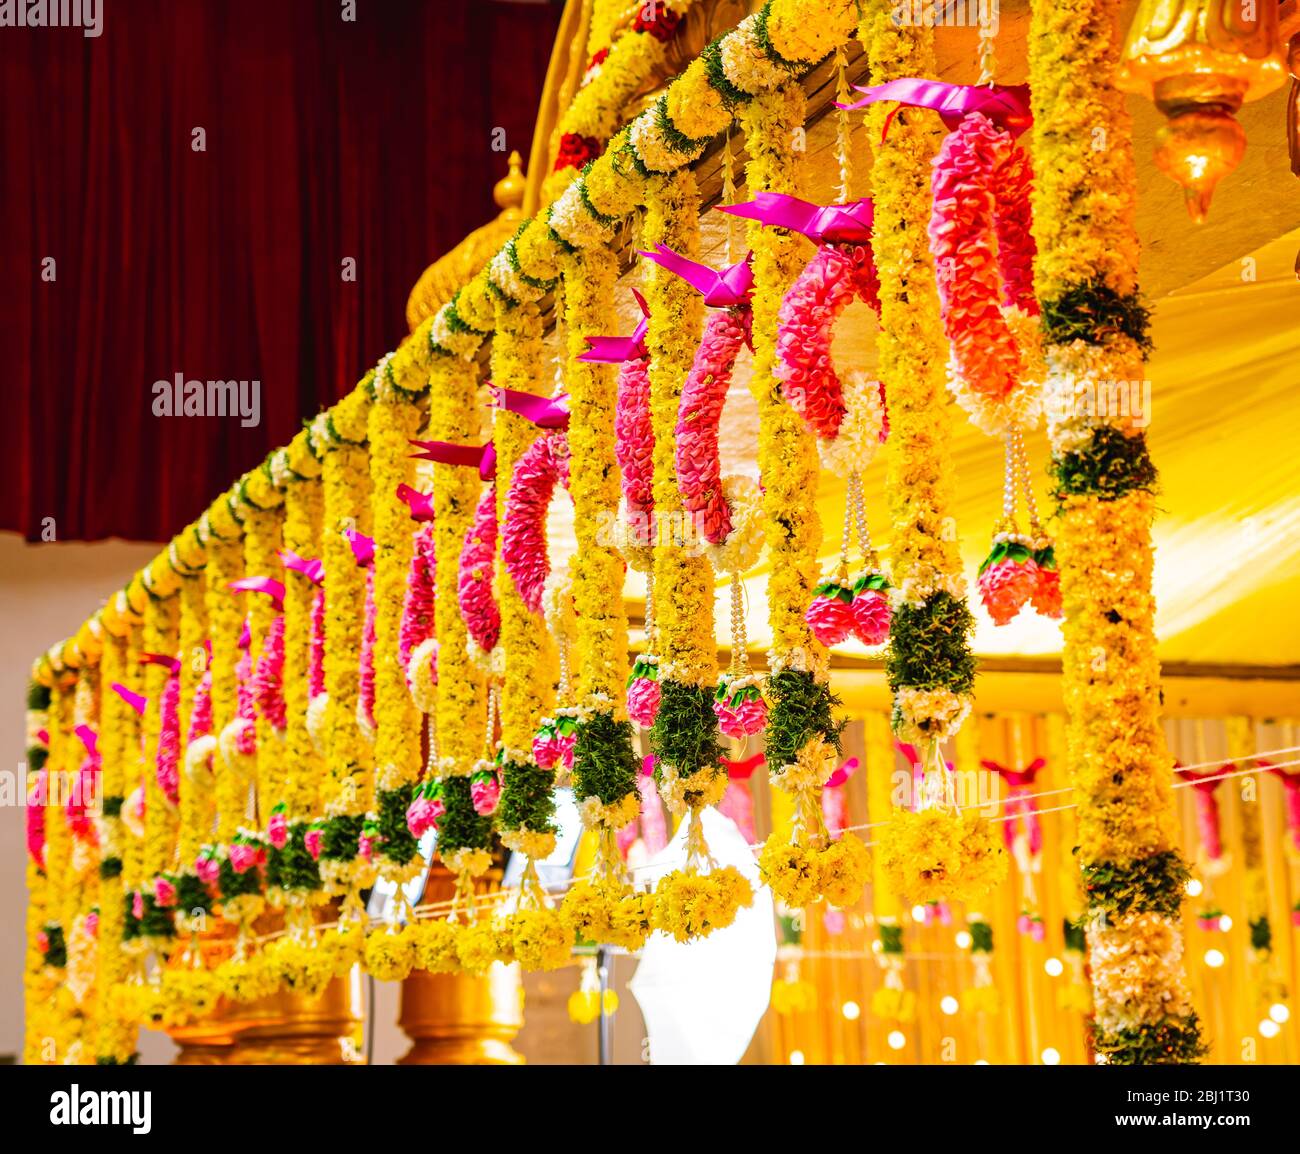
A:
<point x="1200" y="60"/>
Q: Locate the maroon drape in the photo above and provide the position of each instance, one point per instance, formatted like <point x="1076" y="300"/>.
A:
<point x="325" y="140"/>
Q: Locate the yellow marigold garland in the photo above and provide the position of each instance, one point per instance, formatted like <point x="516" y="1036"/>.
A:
<point x="394" y="420"/>
<point x="196" y="793"/>
<point x="263" y="540"/>
<point x="225" y="623"/>
<point x="1095" y="329"/>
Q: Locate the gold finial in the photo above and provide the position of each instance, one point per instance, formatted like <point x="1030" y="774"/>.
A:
<point x="508" y="192"/>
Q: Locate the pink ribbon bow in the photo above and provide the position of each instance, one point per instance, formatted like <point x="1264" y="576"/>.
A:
<point x="311" y="568"/>
<point x="1291" y="786"/>
<point x="420" y="504"/>
<point x="544" y="412"/>
<point x="363" y="547"/>
<point x="1021" y="808"/>
<point x="1207" y="805"/>
<point x="737" y="802"/>
<point x="136" y="701"/>
<point x="269" y="585"/>
<point x="824" y="224"/>
<point x="1007" y="105"/>
<point x="480" y="457"/>
<point x="835" y="808"/>
<point x="617" y="350"/>
<point x="171" y="663"/>
<point x="723" y="289"/>
<point x="88" y="738"/>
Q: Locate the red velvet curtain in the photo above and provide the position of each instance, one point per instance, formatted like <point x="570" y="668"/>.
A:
<point x="325" y="139"/>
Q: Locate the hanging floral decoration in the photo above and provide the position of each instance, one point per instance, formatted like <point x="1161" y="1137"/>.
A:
<point x="1022" y="834"/>
<point x="418" y="645"/>
<point x="544" y="464"/>
<point x="982" y="996"/>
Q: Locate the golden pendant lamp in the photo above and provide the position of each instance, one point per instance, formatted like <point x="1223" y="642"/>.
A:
<point x="1200" y="60"/>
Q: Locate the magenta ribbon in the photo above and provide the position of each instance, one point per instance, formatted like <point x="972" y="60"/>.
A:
<point x="480" y="457"/>
<point x="172" y="663"/>
<point x="721" y="289"/>
<point x="544" y="412"/>
<point x="1007" y="105"/>
<point x="245" y="636"/>
<point x="1021" y="807"/>
<point x="88" y="738"/>
<point x="1207" y="806"/>
<point x="269" y="585"/>
<point x="420" y="504"/>
<point x="311" y="568"/>
<point x="824" y="224"/>
<point x="136" y="701"/>
<point x="841" y="775"/>
<point x="363" y="547"/>
<point x="1291" y="788"/>
<point x="743" y="770"/>
<point x="617" y="350"/>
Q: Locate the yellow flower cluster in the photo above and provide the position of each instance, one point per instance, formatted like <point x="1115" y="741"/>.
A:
<point x="601" y="633"/>
<point x="518" y="363"/>
<point x="941" y="855"/>
<point x="683" y="576"/>
<point x="800" y="874"/>
<point x="393" y="422"/>
<point x="453" y="416"/>
<point x="787" y="452"/>
<point x="304" y="767"/>
<point x="693" y="905"/>
<point x="805" y="32"/>
<point x="608" y="914"/>
<point x="304" y="966"/>
<point x="541" y="939"/>
<point x="893" y="1004"/>
<point x="390" y="955"/>
<point x="1137" y="971"/>
<point x="794" y="997"/>
<point x="481" y="943"/>
<point x="345" y="476"/>
<point x="246" y="979"/>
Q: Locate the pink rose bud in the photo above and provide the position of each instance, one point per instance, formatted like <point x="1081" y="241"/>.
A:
<point x="277" y="830"/>
<point x="744" y="719"/>
<point x="137" y="904"/>
<point x="829" y="618"/>
<point x="366" y="847"/>
<point x="92" y="924"/>
<point x="1006" y="587"/>
<point x="208" y="869"/>
<point x="43" y="941"/>
<point x="546" y="750"/>
<point x="164" y="892"/>
<point x="242" y="857"/>
<point x="567" y="742"/>
<point x="423" y="814"/>
<point x="643" y="701"/>
<point x="485" y="792"/>
<point x="311" y="842"/>
<point x="871" y="617"/>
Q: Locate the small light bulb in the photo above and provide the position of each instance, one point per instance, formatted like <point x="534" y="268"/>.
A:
<point x="1194" y="888"/>
<point x="851" y="1010"/>
<point x="1051" y="1057"/>
<point x="796" y="1057"/>
<point x="980" y="1062"/>
<point x="1054" y="967"/>
<point x="1279" y="1013"/>
<point x="918" y="913"/>
<point x="949" y="1005"/>
<point x="897" y="1039"/>
<point x="1225" y="923"/>
<point x="1269" y="1028"/>
<point x="1214" y="959"/>
<point x="963" y="940"/>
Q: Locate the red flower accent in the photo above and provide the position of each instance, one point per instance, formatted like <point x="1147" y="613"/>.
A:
<point x="1047" y="593"/>
<point x="575" y="150"/>
<point x="598" y="58"/>
<point x="658" y="20"/>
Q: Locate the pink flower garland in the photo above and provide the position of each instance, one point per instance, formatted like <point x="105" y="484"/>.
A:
<point x="316" y="659"/>
<point x="80" y="806"/>
<point x="167" y="766"/>
<point x="523" y="535"/>
<point x="421" y="595"/>
<point x="981" y="187"/>
<point x="268" y="680"/>
<point x="703" y="395"/>
<point x="201" y="710"/>
<point x="478" y="605"/>
<point x="246" y="709"/>
<point x="36" y="818"/>
<point x="634" y="445"/>
<point x="366" y="694"/>
<point x="820" y="293"/>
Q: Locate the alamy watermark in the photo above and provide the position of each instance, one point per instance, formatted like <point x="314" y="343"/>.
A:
<point x="947" y="14"/>
<point x="1103" y="400"/>
<point x="181" y="398"/>
<point x="88" y="15"/>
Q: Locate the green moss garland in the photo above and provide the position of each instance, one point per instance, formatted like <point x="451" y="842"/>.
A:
<point x="1147" y="885"/>
<point x="192" y="894"/>
<point x="527" y="797"/>
<point x="340" y="838"/>
<point x="56" y="948"/>
<point x="685" y="732"/>
<point x="293" y="867"/>
<point x="1096" y="314"/>
<point x="802" y="708"/>
<point x="462" y="827"/>
<point x="605" y="764"/>
<point x="395" y="840"/>
<point x="1110" y="466"/>
<point x="928" y="646"/>
<point x="1172" y="1042"/>
<point x="981" y="938"/>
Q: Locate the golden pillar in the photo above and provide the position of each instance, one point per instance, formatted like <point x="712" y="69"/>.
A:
<point x="457" y="1019"/>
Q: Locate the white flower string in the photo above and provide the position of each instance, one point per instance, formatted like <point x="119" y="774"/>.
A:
<point x="843" y="126"/>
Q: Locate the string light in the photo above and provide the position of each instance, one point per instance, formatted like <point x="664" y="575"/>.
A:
<point x="851" y="1011"/>
<point x="1269" y="1028"/>
<point x="1214" y="959"/>
<point x="1193" y="887"/>
<point x="1051" y="1056"/>
<point x="897" y="1039"/>
<point x="949" y="1005"/>
<point x="1279" y="1013"/>
<point x="796" y="1057"/>
<point x="1054" y="967"/>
